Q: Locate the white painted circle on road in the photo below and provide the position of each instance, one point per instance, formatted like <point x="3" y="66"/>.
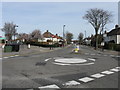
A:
<point x="71" y="60"/>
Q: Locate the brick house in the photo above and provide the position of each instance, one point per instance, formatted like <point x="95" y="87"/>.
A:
<point x="49" y="36"/>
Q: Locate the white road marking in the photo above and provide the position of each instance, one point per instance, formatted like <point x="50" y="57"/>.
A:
<point x="17" y="55"/>
<point x="107" y="72"/>
<point x="12" y="56"/>
<point x="70" y="60"/>
<point x="92" y="54"/>
<point x="61" y="64"/>
<point x="91" y="59"/>
<point x="0" y="58"/>
<point x="86" y="53"/>
<point x="47" y="59"/>
<point x="98" y="54"/>
<point x="97" y="75"/>
<point x="84" y="64"/>
<point x="118" y="67"/>
<point x="50" y="86"/>
<point x="105" y="55"/>
<point x="114" y="69"/>
<point x="86" y="79"/>
<point x="112" y="55"/>
<point x="70" y="83"/>
<point x="5" y="57"/>
<point x="117" y="56"/>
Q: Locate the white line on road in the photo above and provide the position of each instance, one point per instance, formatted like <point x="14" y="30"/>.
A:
<point x="112" y="55"/>
<point x="12" y="56"/>
<point x="17" y="55"/>
<point x="86" y="53"/>
<point x="118" y="67"/>
<point x="97" y="75"/>
<point x="70" y="83"/>
<point x="5" y="57"/>
<point x="86" y="79"/>
<point x="105" y="55"/>
<point x="117" y="56"/>
<point x="61" y="64"/>
<point x="98" y="54"/>
<point x="92" y="54"/>
<point x="47" y="59"/>
<point x="84" y="64"/>
<point x="114" y="69"/>
<point x="49" y="86"/>
<point x="107" y="72"/>
<point x="91" y="59"/>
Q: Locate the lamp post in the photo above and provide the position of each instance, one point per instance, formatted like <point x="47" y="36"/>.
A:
<point x="63" y="31"/>
<point x="63" y="34"/>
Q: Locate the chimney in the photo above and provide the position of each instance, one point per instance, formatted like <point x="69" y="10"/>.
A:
<point x="116" y="26"/>
<point x="105" y="32"/>
<point x="47" y="30"/>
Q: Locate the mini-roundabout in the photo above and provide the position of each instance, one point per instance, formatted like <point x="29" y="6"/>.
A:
<point x="73" y="61"/>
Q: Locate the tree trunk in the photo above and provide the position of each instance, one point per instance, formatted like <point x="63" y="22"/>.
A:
<point x="96" y="38"/>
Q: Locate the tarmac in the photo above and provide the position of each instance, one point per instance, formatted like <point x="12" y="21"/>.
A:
<point x="24" y="50"/>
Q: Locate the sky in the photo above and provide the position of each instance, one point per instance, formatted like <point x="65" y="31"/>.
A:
<point x="53" y="15"/>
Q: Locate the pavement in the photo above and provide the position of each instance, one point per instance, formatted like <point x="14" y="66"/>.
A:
<point x="105" y="51"/>
<point x="24" y="50"/>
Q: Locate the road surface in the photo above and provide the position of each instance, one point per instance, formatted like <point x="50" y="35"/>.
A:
<point x="61" y="68"/>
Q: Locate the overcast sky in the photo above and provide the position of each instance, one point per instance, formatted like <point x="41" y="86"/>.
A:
<point x="52" y="16"/>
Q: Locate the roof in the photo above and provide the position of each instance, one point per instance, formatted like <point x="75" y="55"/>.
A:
<point x="47" y="34"/>
<point x="114" y="32"/>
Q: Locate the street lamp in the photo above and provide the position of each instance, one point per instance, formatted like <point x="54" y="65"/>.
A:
<point x="63" y="31"/>
<point x="63" y="35"/>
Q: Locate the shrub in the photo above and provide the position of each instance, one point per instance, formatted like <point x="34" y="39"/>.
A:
<point x="112" y="46"/>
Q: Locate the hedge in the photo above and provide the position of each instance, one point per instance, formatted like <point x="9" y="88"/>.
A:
<point x="42" y="44"/>
<point x="112" y="46"/>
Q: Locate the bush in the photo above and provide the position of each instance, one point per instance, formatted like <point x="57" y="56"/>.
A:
<point x="42" y="44"/>
<point x="112" y="46"/>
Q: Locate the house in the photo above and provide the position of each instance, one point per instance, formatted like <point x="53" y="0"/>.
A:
<point x="113" y="36"/>
<point x="87" y="41"/>
<point x="48" y="36"/>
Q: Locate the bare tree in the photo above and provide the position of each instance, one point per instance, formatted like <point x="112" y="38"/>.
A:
<point x="23" y="36"/>
<point x="36" y="34"/>
<point x="98" y="18"/>
<point x="69" y="37"/>
<point x="80" y="37"/>
<point x="10" y="30"/>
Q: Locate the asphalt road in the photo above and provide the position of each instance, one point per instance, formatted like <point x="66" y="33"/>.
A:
<point x="42" y="71"/>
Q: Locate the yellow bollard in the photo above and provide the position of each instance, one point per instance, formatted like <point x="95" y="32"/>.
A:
<point x="76" y="50"/>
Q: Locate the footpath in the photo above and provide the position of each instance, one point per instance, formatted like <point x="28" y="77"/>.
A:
<point x="24" y="50"/>
<point x="105" y="51"/>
